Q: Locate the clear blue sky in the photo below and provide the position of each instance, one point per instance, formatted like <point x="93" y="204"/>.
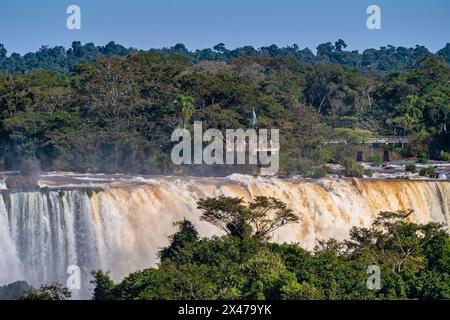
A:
<point x="26" y="25"/>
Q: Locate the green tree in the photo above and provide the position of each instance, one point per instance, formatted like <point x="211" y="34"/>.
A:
<point x="180" y="242"/>
<point x="51" y="291"/>
<point x="396" y="240"/>
<point x="187" y="108"/>
<point x="103" y="286"/>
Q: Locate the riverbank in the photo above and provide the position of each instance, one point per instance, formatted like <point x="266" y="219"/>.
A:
<point x="64" y="180"/>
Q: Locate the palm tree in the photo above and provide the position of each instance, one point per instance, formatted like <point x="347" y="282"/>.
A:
<point x="187" y="108"/>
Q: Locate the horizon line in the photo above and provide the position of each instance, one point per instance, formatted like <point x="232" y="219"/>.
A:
<point x="193" y="50"/>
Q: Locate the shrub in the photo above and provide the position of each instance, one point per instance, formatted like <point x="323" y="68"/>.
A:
<point x="376" y="160"/>
<point x="320" y="172"/>
<point x="410" y="167"/>
<point x="368" y="173"/>
<point x="427" y="172"/>
<point x="422" y="158"/>
<point x="352" y="168"/>
<point x="444" y="156"/>
<point x="325" y="154"/>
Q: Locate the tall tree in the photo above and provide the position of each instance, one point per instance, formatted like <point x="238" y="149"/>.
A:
<point x="187" y="108"/>
<point x="258" y="219"/>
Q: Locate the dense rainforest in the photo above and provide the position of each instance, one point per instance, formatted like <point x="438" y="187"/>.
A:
<point x="385" y="59"/>
<point x="113" y="109"/>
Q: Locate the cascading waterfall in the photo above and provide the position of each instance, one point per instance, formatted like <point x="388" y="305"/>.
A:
<point x="45" y="232"/>
<point x="10" y="264"/>
<point x="121" y="229"/>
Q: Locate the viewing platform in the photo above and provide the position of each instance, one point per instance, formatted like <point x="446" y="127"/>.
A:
<point x="381" y="140"/>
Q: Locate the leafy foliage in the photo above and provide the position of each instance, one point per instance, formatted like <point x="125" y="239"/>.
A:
<point x="111" y="109"/>
<point x="385" y="59"/>
<point x="51" y="291"/>
<point x="257" y="220"/>
<point x="413" y="259"/>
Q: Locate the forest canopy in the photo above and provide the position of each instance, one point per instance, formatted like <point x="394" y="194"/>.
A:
<point x="385" y="59"/>
<point x="113" y="109"/>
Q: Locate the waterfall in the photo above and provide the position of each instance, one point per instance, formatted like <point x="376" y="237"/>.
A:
<point x="45" y="232"/>
<point x="10" y="264"/>
<point x="121" y="228"/>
